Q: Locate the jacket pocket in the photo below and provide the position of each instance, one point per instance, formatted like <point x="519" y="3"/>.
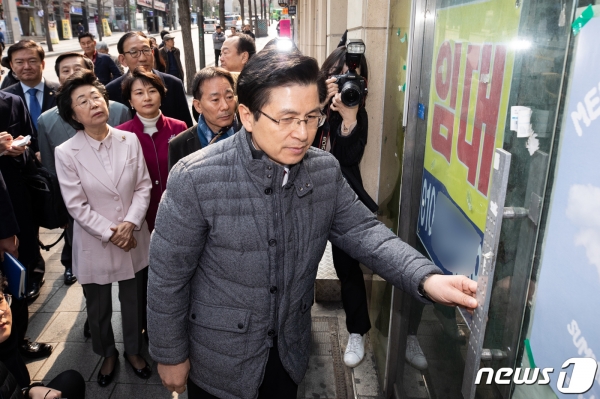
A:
<point x="220" y="329"/>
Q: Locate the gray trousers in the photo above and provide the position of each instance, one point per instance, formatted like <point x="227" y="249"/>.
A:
<point x="132" y="295"/>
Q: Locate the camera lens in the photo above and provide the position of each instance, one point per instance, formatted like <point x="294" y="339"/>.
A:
<point x="351" y="94"/>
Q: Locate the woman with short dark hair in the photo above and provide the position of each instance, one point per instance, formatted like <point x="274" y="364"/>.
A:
<point x="106" y="187"/>
<point x="145" y="92"/>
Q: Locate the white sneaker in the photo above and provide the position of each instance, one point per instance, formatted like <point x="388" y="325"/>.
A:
<point x="414" y="355"/>
<point x="355" y="350"/>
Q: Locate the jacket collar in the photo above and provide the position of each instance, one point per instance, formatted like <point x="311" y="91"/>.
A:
<point x="138" y="126"/>
<point x="268" y="173"/>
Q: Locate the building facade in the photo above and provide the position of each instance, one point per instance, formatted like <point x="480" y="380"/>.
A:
<point x="480" y="155"/>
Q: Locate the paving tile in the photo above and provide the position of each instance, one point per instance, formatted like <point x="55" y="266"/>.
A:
<point x="95" y="391"/>
<point x="143" y="391"/>
<point x="48" y="290"/>
<point x="65" y="327"/>
<point x="50" y="276"/>
<point x="66" y="299"/>
<point x="38" y="323"/>
<point x="69" y="355"/>
<point x="365" y="376"/>
<point x="320" y="379"/>
<point x="33" y="366"/>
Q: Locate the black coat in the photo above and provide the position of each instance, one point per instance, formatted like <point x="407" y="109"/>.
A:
<point x="9" y="226"/>
<point x="183" y="145"/>
<point x="349" y="150"/>
<point x="16" y="121"/>
<point x="105" y="69"/>
<point x="174" y="105"/>
<point x="49" y="101"/>
<point x="9" y="389"/>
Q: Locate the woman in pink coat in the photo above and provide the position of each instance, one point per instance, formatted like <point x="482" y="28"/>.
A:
<point x="106" y="187"/>
<point x="145" y="92"/>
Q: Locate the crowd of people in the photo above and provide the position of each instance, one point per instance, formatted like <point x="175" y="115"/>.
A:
<point x="212" y="226"/>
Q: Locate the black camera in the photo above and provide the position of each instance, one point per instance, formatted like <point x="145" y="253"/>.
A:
<point x="352" y="86"/>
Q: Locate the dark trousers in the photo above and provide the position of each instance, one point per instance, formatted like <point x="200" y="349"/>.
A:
<point x="217" y="55"/>
<point x="354" y="293"/>
<point x="70" y="383"/>
<point x="132" y="295"/>
<point x="20" y="314"/>
<point x="276" y="384"/>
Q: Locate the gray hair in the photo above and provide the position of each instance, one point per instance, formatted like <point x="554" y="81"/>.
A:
<point x="101" y="46"/>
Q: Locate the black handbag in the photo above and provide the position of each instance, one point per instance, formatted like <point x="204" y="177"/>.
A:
<point x="49" y="209"/>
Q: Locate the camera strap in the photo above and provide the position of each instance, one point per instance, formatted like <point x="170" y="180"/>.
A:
<point x="325" y="130"/>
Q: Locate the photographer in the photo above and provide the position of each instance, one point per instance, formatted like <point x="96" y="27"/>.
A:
<point x="344" y="134"/>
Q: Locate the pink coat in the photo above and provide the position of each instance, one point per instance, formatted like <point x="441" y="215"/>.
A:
<point x="97" y="204"/>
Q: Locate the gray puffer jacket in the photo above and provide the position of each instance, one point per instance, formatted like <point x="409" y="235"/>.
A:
<point x="234" y="256"/>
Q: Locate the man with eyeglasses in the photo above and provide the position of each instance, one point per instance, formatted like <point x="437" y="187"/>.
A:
<point x="239" y="235"/>
<point x="134" y="51"/>
<point x="15" y="122"/>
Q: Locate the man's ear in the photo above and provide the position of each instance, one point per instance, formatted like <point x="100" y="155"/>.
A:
<point x="245" y="57"/>
<point x="197" y="105"/>
<point x="122" y="60"/>
<point x="246" y="117"/>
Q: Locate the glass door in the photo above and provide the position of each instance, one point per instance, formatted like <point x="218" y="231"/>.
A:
<point x="483" y="61"/>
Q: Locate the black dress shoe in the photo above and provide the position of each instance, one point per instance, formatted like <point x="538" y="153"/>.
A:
<point x="70" y="279"/>
<point x="105" y="380"/>
<point x="35" y="350"/>
<point x="86" y="329"/>
<point x="143" y="373"/>
<point x="34" y="291"/>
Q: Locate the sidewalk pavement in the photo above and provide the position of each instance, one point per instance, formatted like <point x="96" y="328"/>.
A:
<point x="58" y="314"/>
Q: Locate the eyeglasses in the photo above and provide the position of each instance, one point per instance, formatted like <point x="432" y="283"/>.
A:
<point x="5" y="302"/>
<point x="313" y="122"/>
<point x="85" y="103"/>
<point x="136" y="53"/>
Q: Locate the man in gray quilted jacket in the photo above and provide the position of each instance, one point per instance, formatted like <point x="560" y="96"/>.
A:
<point x="238" y="239"/>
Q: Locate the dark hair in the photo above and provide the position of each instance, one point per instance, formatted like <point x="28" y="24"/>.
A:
<point x="147" y="78"/>
<point x="246" y="44"/>
<point x="89" y="65"/>
<point x="163" y="33"/>
<point x="126" y="36"/>
<point x="336" y="60"/>
<point x="25" y="45"/>
<point x="63" y="95"/>
<point x="84" y="35"/>
<point x="270" y="69"/>
<point x="207" y="74"/>
<point x="3" y="281"/>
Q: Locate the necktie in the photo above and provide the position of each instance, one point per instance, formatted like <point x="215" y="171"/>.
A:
<point x="34" y="106"/>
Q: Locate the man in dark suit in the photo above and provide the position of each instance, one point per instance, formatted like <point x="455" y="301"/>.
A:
<point x="15" y="123"/>
<point x="27" y="62"/>
<point x="134" y="51"/>
<point x="104" y="67"/>
<point x="215" y="103"/>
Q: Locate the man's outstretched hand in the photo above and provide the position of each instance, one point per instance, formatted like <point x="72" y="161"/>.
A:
<point x="452" y="291"/>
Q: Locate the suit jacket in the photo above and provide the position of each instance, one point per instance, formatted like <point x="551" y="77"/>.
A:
<point x="183" y="145"/>
<point x="9" y="226"/>
<point x="53" y="130"/>
<point x="49" y="101"/>
<point x="164" y="53"/>
<point x="174" y="105"/>
<point x="105" y="69"/>
<point x="15" y="120"/>
<point x="156" y="152"/>
<point x="97" y="202"/>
